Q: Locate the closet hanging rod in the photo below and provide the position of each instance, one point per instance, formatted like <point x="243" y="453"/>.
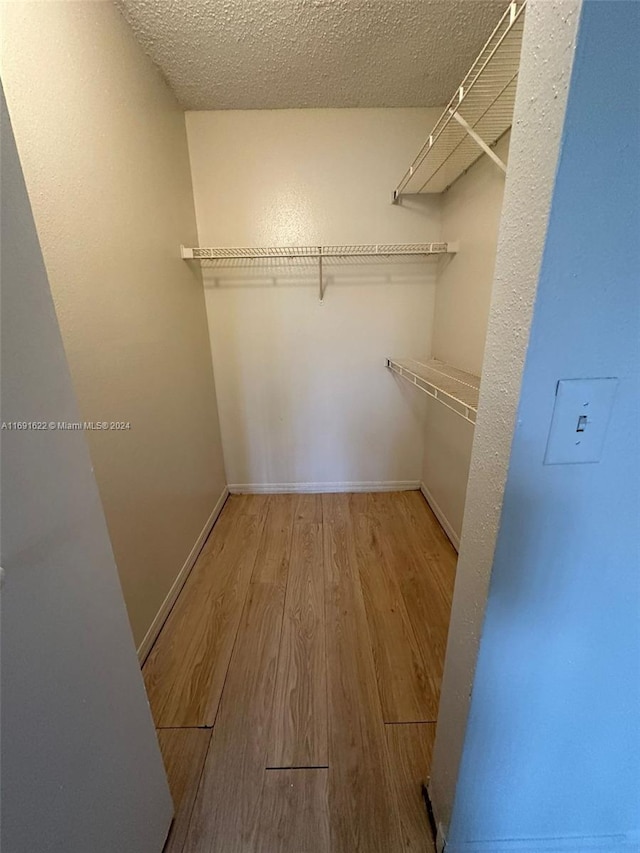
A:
<point x="221" y="253"/>
<point x="478" y="114"/>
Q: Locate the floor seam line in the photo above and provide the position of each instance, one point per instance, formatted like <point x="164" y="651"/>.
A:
<point x="260" y="797"/>
<point x="282" y="618"/>
<point x="195" y="796"/>
<point x="238" y="626"/>
<point x="301" y="767"/>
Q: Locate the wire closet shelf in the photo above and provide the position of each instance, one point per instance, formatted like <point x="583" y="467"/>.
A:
<point x="479" y="113"/>
<point x="221" y="255"/>
<point x="456" y="389"/>
<point x="365" y="250"/>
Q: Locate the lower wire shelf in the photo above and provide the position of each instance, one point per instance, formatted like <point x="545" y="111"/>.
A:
<point x="454" y="388"/>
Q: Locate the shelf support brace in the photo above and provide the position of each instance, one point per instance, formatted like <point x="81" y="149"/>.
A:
<point x="479" y="140"/>
<point x="321" y="282"/>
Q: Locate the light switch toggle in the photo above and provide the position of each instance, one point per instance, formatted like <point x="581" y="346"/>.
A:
<point x="580" y="419"/>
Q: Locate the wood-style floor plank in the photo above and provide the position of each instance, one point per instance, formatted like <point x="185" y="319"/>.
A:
<point x="183" y="752"/>
<point x="185" y="672"/>
<point x="275" y="545"/>
<point x="309" y="508"/>
<point x="410" y="749"/>
<point x="335" y="508"/>
<point x="299" y="737"/>
<point x="407" y="693"/>
<point x="361" y="799"/>
<point x="428" y="546"/>
<point x="227" y="809"/>
<point x="295" y="813"/>
<point x="251" y="504"/>
<point x="423" y="562"/>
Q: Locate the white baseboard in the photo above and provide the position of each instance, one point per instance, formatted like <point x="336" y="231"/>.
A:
<point x="283" y="488"/>
<point x="183" y="574"/>
<point x="442" y="518"/>
<point x="570" y="844"/>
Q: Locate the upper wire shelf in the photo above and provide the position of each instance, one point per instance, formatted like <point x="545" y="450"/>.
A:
<point x="456" y="389"/>
<point x="479" y="113"/>
<point x="221" y="253"/>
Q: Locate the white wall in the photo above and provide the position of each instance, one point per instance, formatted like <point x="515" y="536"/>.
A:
<point x="552" y="749"/>
<point x="471" y="211"/>
<point x="103" y="146"/>
<point x="81" y="768"/>
<point x="448" y="440"/>
<point x="304" y="397"/>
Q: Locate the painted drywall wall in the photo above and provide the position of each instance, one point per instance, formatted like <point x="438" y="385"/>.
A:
<point x="471" y="211"/>
<point x="448" y="440"/>
<point x="103" y="147"/>
<point x="552" y="749"/>
<point x="547" y="55"/>
<point x="304" y="397"/>
<point x="81" y="767"/>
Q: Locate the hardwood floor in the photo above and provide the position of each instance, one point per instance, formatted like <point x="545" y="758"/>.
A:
<point x="228" y="805"/>
<point x="295" y="684"/>
<point x="184" y="752"/>
<point x="185" y="672"/>
<point x="410" y="748"/>
<point x="295" y="812"/>
<point x="407" y="693"/>
<point x="361" y="804"/>
<point x="299" y="717"/>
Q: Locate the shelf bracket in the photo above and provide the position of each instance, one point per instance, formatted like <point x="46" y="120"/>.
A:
<point x="321" y="281"/>
<point x="479" y="140"/>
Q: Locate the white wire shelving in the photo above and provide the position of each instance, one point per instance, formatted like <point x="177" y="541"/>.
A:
<point x="368" y="250"/>
<point x="480" y="112"/>
<point x="230" y="255"/>
<point x="454" y="388"/>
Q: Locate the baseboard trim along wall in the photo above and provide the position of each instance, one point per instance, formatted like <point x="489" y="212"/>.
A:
<point x="442" y="518"/>
<point x="283" y="488"/>
<point x="572" y="844"/>
<point x="165" y="608"/>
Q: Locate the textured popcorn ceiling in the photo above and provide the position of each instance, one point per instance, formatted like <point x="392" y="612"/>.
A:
<point x="272" y="54"/>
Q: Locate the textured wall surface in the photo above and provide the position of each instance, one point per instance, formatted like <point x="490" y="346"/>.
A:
<point x="81" y="768"/>
<point x="552" y="748"/>
<point x="303" y="393"/>
<point x="471" y="211"/>
<point x="104" y="152"/>
<point x="547" y="56"/>
<point x="274" y="54"/>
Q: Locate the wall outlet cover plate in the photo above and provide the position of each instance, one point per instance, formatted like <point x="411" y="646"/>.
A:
<point x="580" y="419"/>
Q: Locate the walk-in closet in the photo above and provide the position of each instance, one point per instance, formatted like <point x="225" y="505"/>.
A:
<point x="279" y="371"/>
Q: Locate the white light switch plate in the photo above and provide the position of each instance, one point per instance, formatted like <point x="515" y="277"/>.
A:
<point x="580" y="419"/>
